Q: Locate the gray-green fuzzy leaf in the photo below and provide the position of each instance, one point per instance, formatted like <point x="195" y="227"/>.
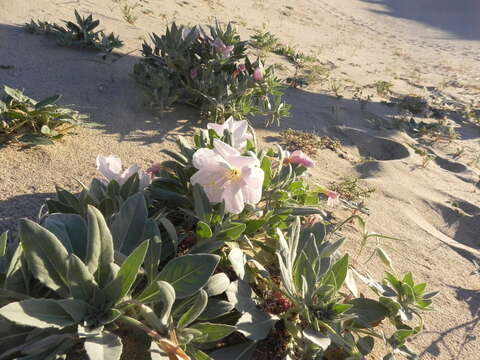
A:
<point x="99" y="248"/>
<point x="45" y="255"/>
<point x="105" y="346"/>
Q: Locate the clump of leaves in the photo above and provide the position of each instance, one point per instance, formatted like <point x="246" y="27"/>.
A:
<point x="308" y="142"/>
<point x="426" y="156"/>
<point x="80" y="34"/>
<point x="413" y="103"/>
<point x="127" y="13"/>
<point x="210" y="72"/>
<point x="383" y="87"/>
<point x="264" y="40"/>
<point x="35" y="122"/>
<point x="294" y="56"/>
<point x="352" y="189"/>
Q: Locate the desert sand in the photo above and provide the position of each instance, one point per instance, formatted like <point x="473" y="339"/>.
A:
<point x="429" y="48"/>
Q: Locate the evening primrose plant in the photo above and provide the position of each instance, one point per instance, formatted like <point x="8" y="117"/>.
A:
<point x="210" y="72"/>
<point x="212" y="254"/>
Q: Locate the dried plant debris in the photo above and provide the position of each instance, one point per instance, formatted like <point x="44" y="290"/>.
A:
<point x="309" y="143"/>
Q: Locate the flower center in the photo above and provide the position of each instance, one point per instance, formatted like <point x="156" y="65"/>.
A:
<point x="232" y="174"/>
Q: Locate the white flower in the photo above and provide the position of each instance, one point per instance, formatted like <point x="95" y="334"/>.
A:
<point x="111" y="168"/>
<point x="238" y="129"/>
<point x="227" y="176"/>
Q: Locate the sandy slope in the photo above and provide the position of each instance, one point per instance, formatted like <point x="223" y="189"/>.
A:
<point x="366" y="41"/>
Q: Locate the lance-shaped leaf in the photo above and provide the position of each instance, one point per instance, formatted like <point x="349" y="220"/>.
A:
<point x="80" y="280"/>
<point x="104" y="346"/>
<point x="322" y="341"/>
<point x="129" y="223"/>
<point x="154" y="253"/>
<point x="99" y="248"/>
<point x="213" y="332"/>
<point x="188" y="274"/>
<point x="71" y="230"/>
<point x="121" y="285"/>
<point x="40" y="313"/>
<point x="45" y="255"/>
<point x="194" y="311"/>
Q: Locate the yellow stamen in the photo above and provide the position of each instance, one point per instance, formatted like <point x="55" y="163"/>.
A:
<point x="232" y="174"/>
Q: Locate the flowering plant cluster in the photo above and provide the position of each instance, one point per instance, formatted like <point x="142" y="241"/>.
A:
<point x="211" y="72"/>
<point x="207" y="256"/>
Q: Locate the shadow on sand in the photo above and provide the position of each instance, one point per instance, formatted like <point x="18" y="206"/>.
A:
<point x="460" y="18"/>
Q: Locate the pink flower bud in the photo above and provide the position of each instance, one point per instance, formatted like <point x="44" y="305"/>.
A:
<point x="258" y="74"/>
<point x="242" y="68"/>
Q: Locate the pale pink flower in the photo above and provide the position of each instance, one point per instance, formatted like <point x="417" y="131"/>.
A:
<point x="227" y="176"/>
<point x="238" y="129"/>
<point x="298" y="157"/>
<point x="111" y="168"/>
<point x="154" y="170"/>
<point x="258" y="73"/>
<point x="226" y="51"/>
<point x="333" y="198"/>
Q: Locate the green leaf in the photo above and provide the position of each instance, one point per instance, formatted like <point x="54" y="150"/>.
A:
<point x="213" y="332"/>
<point x="99" y="255"/>
<point x="45" y="255"/>
<point x="266" y="166"/>
<point x="238" y="260"/>
<point x="368" y="311"/>
<point x="39" y="313"/>
<point x="201" y="203"/>
<point x="45" y="130"/>
<point x="3" y="243"/>
<point x="339" y="271"/>
<point x="104" y="346"/>
<point x="188" y="274"/>
<point x="71" y="230"/>
<point x="48" y="101"/>
<point x="216" y="308"/>
<point x="129" y="223"/>
<point x="194" y="311"/>
<point x="243" y="351"/>
<point x="203" y="230"/>
<point x="365" y="345"/>
<point x="154" y="253"/>
<point x="127" y="274"/>
<point x="217" y="284"/>
<point x="80" y="280"/>
<point x="232" y="231"/>
<point x="16" y="94"/>
<point x="34" y="139"/>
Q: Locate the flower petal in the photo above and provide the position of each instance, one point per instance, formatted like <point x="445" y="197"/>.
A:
<point x="110" y="166"/>
<point x="205" y="157"/>
<point x="253" y="180"/>
<point x="224" y="150"/>
<point x="233" y="197"/>
<point x="240" y="162"/>
<point x="128" y="173"/>
<point x="218" y="128"/>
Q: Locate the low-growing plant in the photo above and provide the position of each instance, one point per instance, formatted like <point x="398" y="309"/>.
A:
<point x="127" y="13"/>
<point x="82" y="33"/>
<point x="264" y="40"/>
<point x="352" y="189"/>
<point x="383" y="87"/>
<point x="224" y="252"/>
<point x="33" y="122"/>
<point x="426" y="156"/>
<point x="413" y="103"/>
<point x="210" y="72"/>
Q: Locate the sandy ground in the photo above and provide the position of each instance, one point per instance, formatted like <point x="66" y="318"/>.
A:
<point x="429" y="48"/>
